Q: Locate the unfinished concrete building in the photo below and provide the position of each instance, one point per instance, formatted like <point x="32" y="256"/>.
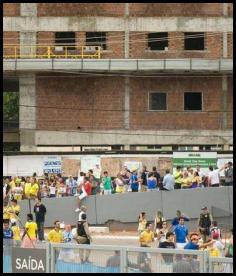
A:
<point x="119" y="76"/>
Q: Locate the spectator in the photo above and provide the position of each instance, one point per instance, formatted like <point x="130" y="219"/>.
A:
<point x="7" y="231"/>
<point x="201" y="174"/>
<point x="97" y="174"/>
<point x="146" y="238"/>
<point x="6" y="189"/>
<point x="14" y="210"/>
<point x="55" y="235"/>
<point x="178" y="177"/>
<point x="161" y="236"/>
<point x="168" y="181"/>
<point x="151" y="182"/>
<point x="196" y="181"/>
<point x="181" y="233"/>
<point x="71" y="186"/>
<point x="91" y="179"/>
<point x="214" y="177"/>
<point x="114" y="261"/>
<point x="83" y="210"/>
<point x="157" y="176"/>
<point x="229" y="174"/>
<point x="30" y="233"/>
<point x="27" y="187"/>
<point x="142" y="221"/>
<point x="52" y="188"/>
<point x="186" y="181"/>
<point x="18" y="191"/>
<point x="144" y="176"/>
<point x="119" y="184"/>
<point x="61" y="188"/>
<point x="193" y="243"/>
<point x="16" y="233"/>
<point x="215" y="229"/>
<point x="175" y="220"/>
<point x="134" y="181"/>
<point x="83" y="237"/>
<point x="158" y="221"/>
<point x="86" y="189"/>
<point x="67" y="234"/>
<point x="218" y="244"/>
<point x="169" y="244"/>
<point x="34" y="187"/>
<point x="204" y="223"/>
<point x="6" y="209"/>
<point x="40" y="211"/>
<point x="106" y="180"/>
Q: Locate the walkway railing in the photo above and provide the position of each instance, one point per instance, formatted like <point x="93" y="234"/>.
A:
<point x="50" y="51"/>
<point x="74" y="258"/>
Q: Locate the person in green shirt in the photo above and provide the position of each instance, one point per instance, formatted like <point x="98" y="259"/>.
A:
<point x="106" y="180"/>
<point x="178" y="177"/>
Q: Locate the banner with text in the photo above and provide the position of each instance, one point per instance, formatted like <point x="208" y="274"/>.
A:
<point x="52" y="164"/>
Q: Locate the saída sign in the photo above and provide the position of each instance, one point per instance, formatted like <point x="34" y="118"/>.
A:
<point x="28" y="260"/>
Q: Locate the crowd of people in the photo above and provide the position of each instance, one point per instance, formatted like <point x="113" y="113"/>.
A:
<point x="97" y="182"/>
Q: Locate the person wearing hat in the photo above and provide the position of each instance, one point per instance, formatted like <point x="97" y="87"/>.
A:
<point x="193" y="243"/>
<point x="229" y="174"/>
<point x="204" y="223"/>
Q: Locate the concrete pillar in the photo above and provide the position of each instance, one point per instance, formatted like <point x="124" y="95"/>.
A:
<point x="27" y="111"/>
<point x="28" y="39"/>
<point x="225" y="9"/>
<point x="126" y="30"/>
<point x="126" y="147"/>
<point x="28" y="9"/>
<point x="224" y="101"/>
<point x="127" y="103"/>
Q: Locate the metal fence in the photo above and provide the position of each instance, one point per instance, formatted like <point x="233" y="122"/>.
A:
<point x="220" y="265"/>
<point x="74" y="258"/>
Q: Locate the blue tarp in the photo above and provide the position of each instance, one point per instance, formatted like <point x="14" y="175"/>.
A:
<point x="66" y="267"/>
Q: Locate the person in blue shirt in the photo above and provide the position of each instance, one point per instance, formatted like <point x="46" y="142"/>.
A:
<point x="175" y="220"/>
<point x="181" y="233"/>
<point x="7" y="232"/>
<point x="151" y="182"/>
<point x="134" y="181"/>
<point x="193" y="244"/>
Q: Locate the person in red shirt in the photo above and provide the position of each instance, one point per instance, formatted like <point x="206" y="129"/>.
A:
<point x="85" y="190"/>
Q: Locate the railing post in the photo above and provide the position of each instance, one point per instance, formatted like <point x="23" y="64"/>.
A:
<point x="65" y="51"/>
<point x="123" y="260"/>
<point x="52" y="254"/>
<point x="82" y="52"/>
<point x="99" y="52"/>
<point x="15" y="52"/>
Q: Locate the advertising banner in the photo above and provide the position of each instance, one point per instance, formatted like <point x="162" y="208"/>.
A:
<point x="52" y="164"/>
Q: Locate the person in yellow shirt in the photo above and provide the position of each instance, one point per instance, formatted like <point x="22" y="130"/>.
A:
<point x="178" y="177"/>
<point x="146" y="238"/>
<point x="13" y="182"/>
<point x="14" y="210"/>
<point x="16" y="233"/>
<point x="55" y="235"/>
<point x="196" y="180"/>
<point x="29" y="237"/>
<point x="34" y="188"/>
<point x="186" y="181"/>
<point x="6" y="210"/>
<point x="27" y="188"/>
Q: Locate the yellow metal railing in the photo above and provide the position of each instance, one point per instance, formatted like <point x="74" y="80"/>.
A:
<point x="50" y="51"/>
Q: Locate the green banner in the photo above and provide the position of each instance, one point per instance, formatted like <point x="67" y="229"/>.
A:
<point x="203" y="162"/>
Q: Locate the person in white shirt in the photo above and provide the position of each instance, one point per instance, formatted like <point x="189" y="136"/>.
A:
<point x="214" y="177"/>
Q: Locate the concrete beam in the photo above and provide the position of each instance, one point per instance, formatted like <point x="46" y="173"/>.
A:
<point x="28" y="9"/>
<point x="113" y="24"/>
<point x="133" y="137"/>
<point x="120" y="65"/>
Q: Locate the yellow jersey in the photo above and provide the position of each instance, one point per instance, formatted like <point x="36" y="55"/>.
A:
<point x="27" y="189"/>
<point x="34" y="189"/>
<point x="12" y="184"/>
<point x="146" y="238"/>
<point x="178" y="177"/>
<point x="31" y="228"/>
<point x="54" y="236"/>
<point x="16" y="233"/>
<point x="6" y="213"/>
<point x="214" y="252"/>
<point x="14" y="209"/>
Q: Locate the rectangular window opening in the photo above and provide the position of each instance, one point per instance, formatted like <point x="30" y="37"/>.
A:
<point x="157" y="101"/>
<point x="194" y="41"/>
<point x="158" y="41"/>
<point x="65" y="39"/>
<point x="96" y="39"/>
<point x="193" y="101"/>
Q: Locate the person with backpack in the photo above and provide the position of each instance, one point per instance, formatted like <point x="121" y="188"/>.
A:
<point x="204" y="223"/>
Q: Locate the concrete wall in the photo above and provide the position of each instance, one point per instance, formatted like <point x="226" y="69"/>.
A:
<point x="125" y="208"/>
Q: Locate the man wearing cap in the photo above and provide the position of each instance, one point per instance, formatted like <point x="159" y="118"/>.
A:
<point x="193" y="244"/>
<point x="229" y="174"/>
<point x="204" y="223"/>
